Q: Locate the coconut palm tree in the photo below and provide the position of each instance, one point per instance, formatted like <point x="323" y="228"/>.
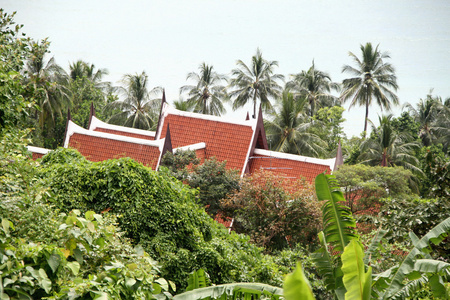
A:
<point x="207" y="94"/>
<point x="49" y="81"/>
<point x="254" y="82"/>
<point x="426" y="114"/>
<point x="183" y="105"/>
<point x="137" y="109"/>
<point x="389" y="148"/>
<point x="288" y="129"/>
<point x="375" y="79"/>
<point x="315" y="86"/>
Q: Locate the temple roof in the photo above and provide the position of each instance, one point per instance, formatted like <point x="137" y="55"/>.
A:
<point x="290" y="165"/>
<point x="98" y="146"/>
<point x="97" y="125"/>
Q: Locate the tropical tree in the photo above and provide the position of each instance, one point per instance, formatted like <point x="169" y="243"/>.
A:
<point x="316" y="86"/>
<point x="389" y="148"/>
<point x="254" y="82"/>
<point x="429" y="114"/>
<point x="183" y="105"/>
<point x="49" y="81"/>
<point x="207" y="95"/>
<point x="80" y="69"/>
<point x="137" y="109"/>
<point x="289" y="129"/>
<point x="375" y="79"/>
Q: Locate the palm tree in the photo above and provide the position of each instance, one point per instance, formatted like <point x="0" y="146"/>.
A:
<point x="389" y="148"/>
<point x="183" y="105"/>
<point x="80" y="69"/>
<point x="374" y="79"/>
<point x="315" y="86"/>
<point x="207" y="95"/>
<point x="254" y="82"/>
<point x="137" y="110"/>
<point x="49" y="81"/>
<point x="431" y="115"/>
<point x="288" y="131"/>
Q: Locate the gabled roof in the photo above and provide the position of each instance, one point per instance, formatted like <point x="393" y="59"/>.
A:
<point x="290" y="165"/>
<point x="97" y="125"/>
<point x="98" y="146"/>
<point x="37" y="152"/>
<point x="226" y="140"/>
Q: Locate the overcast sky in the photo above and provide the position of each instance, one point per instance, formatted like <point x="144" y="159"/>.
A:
<point x="169" y="39"/>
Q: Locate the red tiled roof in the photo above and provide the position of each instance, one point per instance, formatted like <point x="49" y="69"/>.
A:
<point x="37" y="152"/>
<point x="289" y="165"/>
<point x="224" y="140"/>
<point x="97" y="146"/>
<point x="97" y="125"/>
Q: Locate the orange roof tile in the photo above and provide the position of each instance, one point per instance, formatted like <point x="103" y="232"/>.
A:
<point x="290" y="165"/>
<point x="97" y="125"/>
<point x="230" y="141"/>
<point x="98" y="146"/>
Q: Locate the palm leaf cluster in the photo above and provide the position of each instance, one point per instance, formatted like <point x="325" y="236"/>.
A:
<point x="137" y="109"/>
<point x="374" y="79"/>
<point x="208" y="95"/>
<point x="255" y="82"/>
<point x="389" y="148"/>
<point x="288" y="130"/>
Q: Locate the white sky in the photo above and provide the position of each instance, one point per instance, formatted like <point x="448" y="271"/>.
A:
<point x="169" y="38"/>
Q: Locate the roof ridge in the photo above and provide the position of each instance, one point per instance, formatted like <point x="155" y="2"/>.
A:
<point x="97" y="123"/>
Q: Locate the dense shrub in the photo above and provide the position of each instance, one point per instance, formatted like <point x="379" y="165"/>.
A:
<point x="158" y="212"/>
<point x="276" y="212"/>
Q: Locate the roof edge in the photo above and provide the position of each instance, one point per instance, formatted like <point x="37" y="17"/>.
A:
<point x="39" y="150"/>
<point x="318" y="161"/>
<point x="192" y="147"/>
<point x="97" y="123"/>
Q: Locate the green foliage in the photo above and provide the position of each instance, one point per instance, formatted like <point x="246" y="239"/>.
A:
<point x="330" y="129"/>
<point x="436" y="168"/>
<point x="357" y="280"/>
<point x="211" y="178"/>
<point x="271" y="214"/>
<point x="161" y="214"/>
<point x="364" y="185"/>
<point x="296" y="286"/>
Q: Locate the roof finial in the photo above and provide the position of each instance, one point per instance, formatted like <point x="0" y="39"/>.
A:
<point x="163" y="100"/>
<point x="248" y="117"/>
<point x="339" y="158"/>
<point x="91" y="114"/>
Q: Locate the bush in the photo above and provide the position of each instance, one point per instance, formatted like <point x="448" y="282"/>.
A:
<point x="275" y="211"/>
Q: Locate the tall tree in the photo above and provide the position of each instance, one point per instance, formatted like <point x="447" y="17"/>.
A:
<point x="375" y="79"/>
<point x="428" y="114"/>
<point x="315" y="86"/>
<point x="254" y="82"/>
<point x="289" y="129"/>
<point x="137" y="109"/>
<point x="207" y="94"/>
<point x="50" y="82"/>
<point x="389" y="148"/>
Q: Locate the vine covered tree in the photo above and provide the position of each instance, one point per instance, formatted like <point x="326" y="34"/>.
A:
<point x="374" y="79"/>
<point x="137" y="109"/>
<point x="207" y="95"/>
<point x="315" y="86"/>
<point x="256" y="81"/>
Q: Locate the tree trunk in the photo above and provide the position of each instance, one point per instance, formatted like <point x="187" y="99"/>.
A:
<point x="366" y="119"/>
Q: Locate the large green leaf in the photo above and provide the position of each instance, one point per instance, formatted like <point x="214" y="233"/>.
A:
<point x="339" y="224"/>
<point x="356" y="280"/>
<point x="197" y="279"/>
<point x="435" y="235"/>
<point x="232" y="290"/>
<point x="324" y="263"/>
<point x="296" y="286"/>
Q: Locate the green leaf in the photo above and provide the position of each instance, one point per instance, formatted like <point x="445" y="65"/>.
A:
<point x="324" y="263"/>
<point x="89" y="215"/>
<point x="438" y="287"/>
<point x="296" y="286"/>
<point x="6" y="224"/>
<point x="356" y="280"/>
<point x="197" y="279"/>
<point x="74" y="267"/>
<point x="338" y="222"/>
<point x="376" y="242"/>
<point x="54" y="261"/>
<point x="246" y="289"/>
